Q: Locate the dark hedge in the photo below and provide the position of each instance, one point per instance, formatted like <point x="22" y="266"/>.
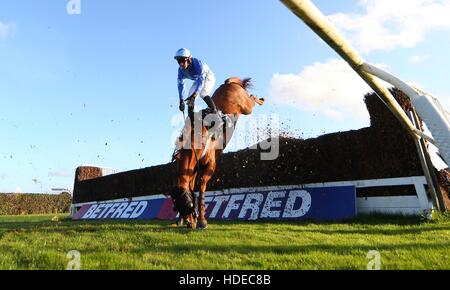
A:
<point x="25" y="204"/>
<point x="384" y="150"/>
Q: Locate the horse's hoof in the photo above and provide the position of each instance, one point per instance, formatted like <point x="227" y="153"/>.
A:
<point x="202" y="225"/>
<point x="191" y="226"/>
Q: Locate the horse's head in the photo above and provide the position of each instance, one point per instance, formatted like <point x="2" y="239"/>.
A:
<point x="183" y="201"/>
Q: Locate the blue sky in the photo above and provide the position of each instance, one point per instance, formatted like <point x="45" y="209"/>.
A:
<point x="99" y="88"/>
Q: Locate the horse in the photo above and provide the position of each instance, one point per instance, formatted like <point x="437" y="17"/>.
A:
<point x="204" y="138"/>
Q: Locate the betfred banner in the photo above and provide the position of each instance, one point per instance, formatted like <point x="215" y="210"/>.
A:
<point x="326" y="203"/>
<point x="134" y="210"/>
<point x="331" y="203"/>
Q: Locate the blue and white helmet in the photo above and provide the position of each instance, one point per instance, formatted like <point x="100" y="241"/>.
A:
<point x="183" y="52"/>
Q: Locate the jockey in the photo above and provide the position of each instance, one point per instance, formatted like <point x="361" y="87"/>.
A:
<point x="199" y="72"/>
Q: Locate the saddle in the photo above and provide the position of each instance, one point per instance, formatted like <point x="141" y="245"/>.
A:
<point x="215" y="121"/>
<point x="217" y="125"/>
<point x="223" y="117"/>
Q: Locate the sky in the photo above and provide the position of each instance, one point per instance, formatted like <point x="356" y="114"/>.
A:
<point x="97" y="86"/>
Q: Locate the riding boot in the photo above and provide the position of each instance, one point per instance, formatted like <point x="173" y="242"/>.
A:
<point x="191" y="111"/>
<point x="210" y="104"/>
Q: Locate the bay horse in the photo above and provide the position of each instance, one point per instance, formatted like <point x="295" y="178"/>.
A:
<point x="200" y="145"/>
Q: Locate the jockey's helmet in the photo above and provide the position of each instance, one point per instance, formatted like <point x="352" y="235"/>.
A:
<point x="182" y="53"/>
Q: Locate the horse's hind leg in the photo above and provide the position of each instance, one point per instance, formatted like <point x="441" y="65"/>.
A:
<point x="247" y="106"/>
<point x="249" y="103"/>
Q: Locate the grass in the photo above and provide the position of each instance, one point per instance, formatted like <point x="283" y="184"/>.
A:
<point x="38" y="242"/>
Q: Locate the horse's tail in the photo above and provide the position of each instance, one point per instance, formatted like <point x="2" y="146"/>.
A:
<point x="245" y="83"/>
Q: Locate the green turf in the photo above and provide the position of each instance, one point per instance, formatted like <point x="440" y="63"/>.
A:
<point x="38" y="242"/>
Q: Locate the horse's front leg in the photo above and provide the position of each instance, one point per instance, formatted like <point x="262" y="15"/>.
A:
<point x="202" y="223"/>
<point x="191" y="222"/>
<point x="205" y="178"/>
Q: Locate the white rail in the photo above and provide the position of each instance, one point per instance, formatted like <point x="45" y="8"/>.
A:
<point x="312" y="17"/>
<point x="436" y="121"/>
<point x="425" y="104"/>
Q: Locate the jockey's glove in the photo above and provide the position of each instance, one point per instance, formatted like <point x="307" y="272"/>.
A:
<point x="191" y="100"/>
<point x="182" y="106"/>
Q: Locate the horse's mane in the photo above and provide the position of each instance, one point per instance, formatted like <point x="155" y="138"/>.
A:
<point x="179" y="143"/>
